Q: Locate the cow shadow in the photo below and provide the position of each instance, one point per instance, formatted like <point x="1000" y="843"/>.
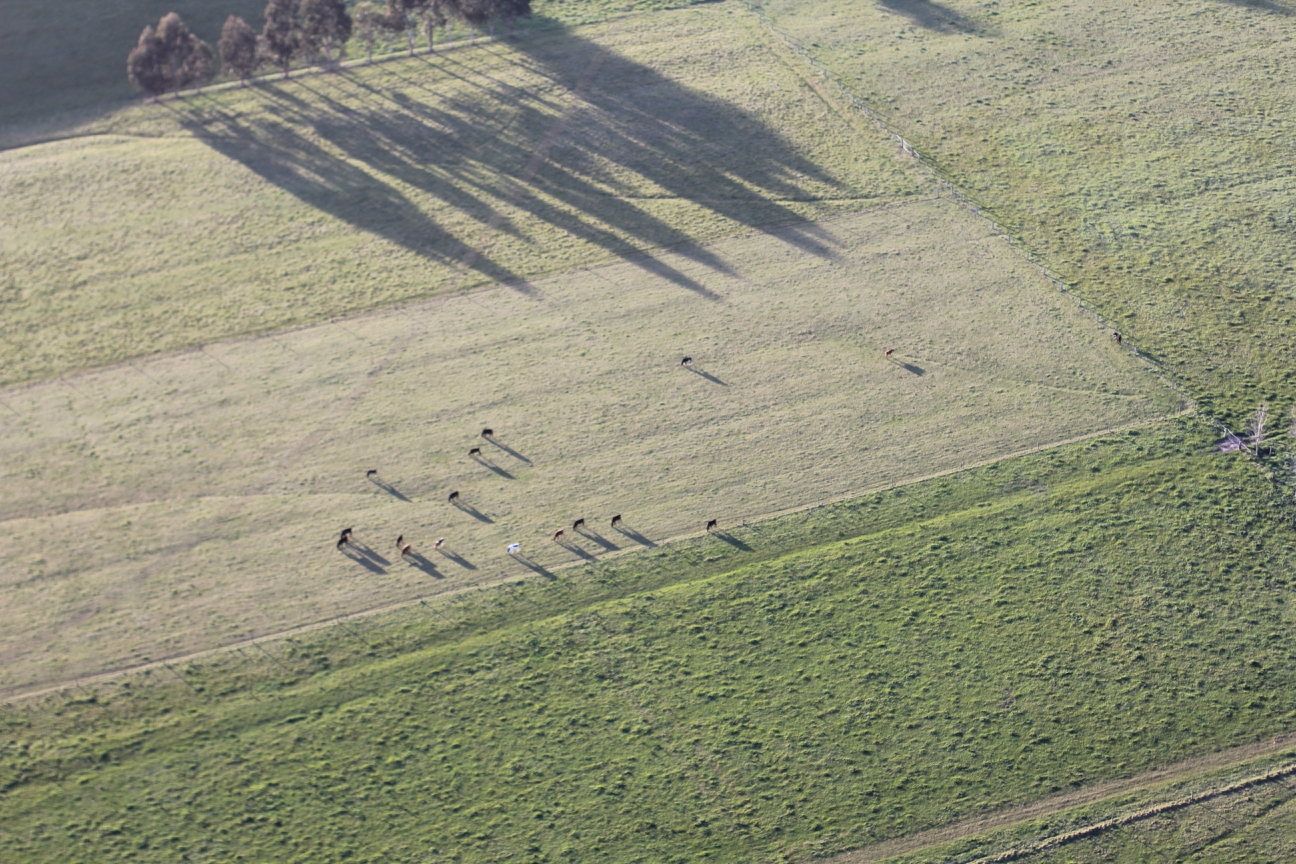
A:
<point x="416" y="560"/>
<point x="595" y="537"/>
<point x="1263" y="6"/>
<point x="364" y="550"/>
<point x="908" y="367"/>
<point x="458" y="559"/>
<point x="731" y="540"/>
<point x="635" y="536"/>
<point x="532" y="566"/>
<point x="509" y="450"/>
<point x="576" y="550"/>
<point x="364" y="561"/>
<point x="707" y="375"/>
<point x="474" y="512"/>
<point x="389" y="489"/>
<point x="486" y="463"/>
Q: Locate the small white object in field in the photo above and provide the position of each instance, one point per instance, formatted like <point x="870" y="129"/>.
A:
<point x="514" y="548"/>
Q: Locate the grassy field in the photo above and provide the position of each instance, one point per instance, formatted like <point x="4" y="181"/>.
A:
<point x="292" y="202"/>
<point x="196" y="496"/>
<point x="1067" y="617"/>
<point x="1141" y="148"/>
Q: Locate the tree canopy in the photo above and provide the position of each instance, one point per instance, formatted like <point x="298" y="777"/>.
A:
<point x="281" y="33"/>
<point x="325" y="26"/>
<point x="238" y="48"/>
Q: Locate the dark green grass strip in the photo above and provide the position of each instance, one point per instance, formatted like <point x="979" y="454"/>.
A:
<point x="944" y="650"/>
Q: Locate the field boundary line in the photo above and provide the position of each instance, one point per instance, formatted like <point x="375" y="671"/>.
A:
<point x="945" y="181"/>
<point x="100" y="677"/>
<point x="1138" y="815"/>
<point x="1176" y="772"/>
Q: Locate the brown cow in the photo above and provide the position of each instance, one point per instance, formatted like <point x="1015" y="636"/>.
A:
<point x="1117" y="337"/>
<point x="405" y="550"/>
<point x="558" y="535"/>
<point x="439" y="543"/>
<point x="888" y="352"/>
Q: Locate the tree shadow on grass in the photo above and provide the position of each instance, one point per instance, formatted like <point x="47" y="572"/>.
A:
<point x="1263" y="6"/>
<point x="931" y="15"/>
<point x="347" y="144"/>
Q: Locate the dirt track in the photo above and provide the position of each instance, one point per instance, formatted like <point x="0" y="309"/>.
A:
<point x="1066" y="801"/>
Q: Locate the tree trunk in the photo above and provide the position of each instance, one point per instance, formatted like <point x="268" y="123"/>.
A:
<point x="369" y="59"/>
<point x="409" y="37"/>
<point x="472" y="33"/>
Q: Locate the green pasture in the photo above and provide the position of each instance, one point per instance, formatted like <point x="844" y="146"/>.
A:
<point x="1142" y="149"/>
<point x="247" y="210"/>
<point x="1016" y="630"/>
<point x="196" y="496"/>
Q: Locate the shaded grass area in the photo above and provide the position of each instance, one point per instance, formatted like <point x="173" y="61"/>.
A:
<point x="934" y="652"/>
<point x="1141" y="149"/>
<point x="197" y="496"/>
<point x="289" y="202"/>
<point x="66" y="59"/>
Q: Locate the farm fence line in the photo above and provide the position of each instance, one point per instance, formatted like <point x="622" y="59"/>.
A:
<point x="947" y="182"/>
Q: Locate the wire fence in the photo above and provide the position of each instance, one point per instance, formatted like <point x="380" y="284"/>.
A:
<point x="1284" y="481"/>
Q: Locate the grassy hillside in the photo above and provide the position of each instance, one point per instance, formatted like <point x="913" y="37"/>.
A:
<point x="248" y="210"/>
<point x="222" y="474"/>
<point x="1081" y="614"/>
<point x="1141" y="148"/>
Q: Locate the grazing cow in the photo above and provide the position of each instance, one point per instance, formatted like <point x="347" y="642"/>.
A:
<point x="1117" y="337"/>
<point x="711" y="524"/>
<point x="558" y="535"/>
<point x="488" y="432"/>
<point x="454" y="496"/>
<point x="888" y="352"/>
<point x="372" y="472"/>
<point x="342" y="541"/>
<point x="616" y="520"/>
<point x="346" y="533"/>
<point x="405" y="550"/>
<point x="514" y="548"/>
<point x="439" y="543"/>
<point x="476" y="451"/>
<point x="400" y="538"/>
<point x="578" y="524"/>
<point x="687" y="361"/>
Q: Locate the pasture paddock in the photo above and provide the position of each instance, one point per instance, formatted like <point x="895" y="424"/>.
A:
<point x="1141" y="149"/>
<point x="197" y="497"/>
<point x="955" y="648"/>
